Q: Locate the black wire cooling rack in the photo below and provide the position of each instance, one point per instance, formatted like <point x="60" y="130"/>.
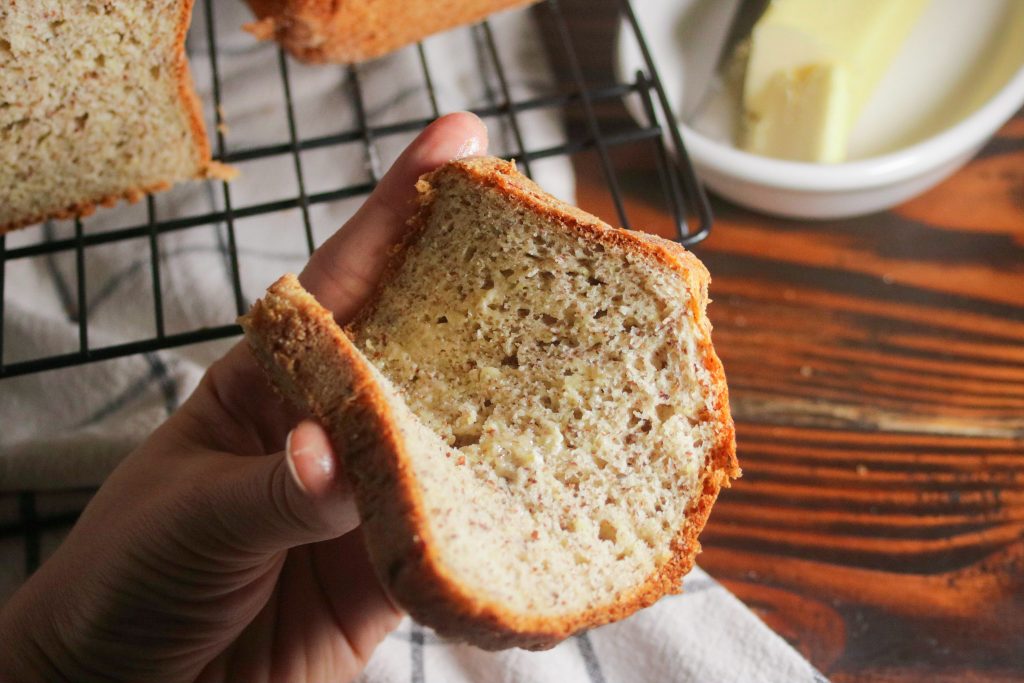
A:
<point x="40" y="519"/>
<point x="681" y="191"/>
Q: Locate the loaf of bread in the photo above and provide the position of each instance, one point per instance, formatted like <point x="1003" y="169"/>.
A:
<point x="351" y="31"/>
<point x="96" y="105"/>
<point x="530" y="410"/>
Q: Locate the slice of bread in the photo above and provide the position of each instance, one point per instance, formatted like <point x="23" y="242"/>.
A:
<point x="530" y="410"/>
<point x="96" y="105"/>
<point x="318" y="31"/>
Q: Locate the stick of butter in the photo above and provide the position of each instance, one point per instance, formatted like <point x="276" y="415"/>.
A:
<point x="813" y="66"/>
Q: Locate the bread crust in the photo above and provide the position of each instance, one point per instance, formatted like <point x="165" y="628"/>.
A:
<point x="364" y="430"/>
<point x="351" y="31"/>
<point x="192" y="109"/>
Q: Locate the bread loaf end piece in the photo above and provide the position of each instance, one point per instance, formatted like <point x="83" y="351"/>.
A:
<point x="321" y="31"/>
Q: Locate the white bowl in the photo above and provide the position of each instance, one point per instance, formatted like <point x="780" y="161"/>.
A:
<point x="958" y="78"/>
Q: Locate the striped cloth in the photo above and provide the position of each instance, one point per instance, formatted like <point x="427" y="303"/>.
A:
<point x="63" y="431"/>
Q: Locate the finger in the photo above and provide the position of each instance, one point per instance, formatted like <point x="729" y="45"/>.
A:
<point x="345" y="269"/>
<point x="360" y="605"/>
<point x="311" y="461"/>
<point x="272" y="503"/>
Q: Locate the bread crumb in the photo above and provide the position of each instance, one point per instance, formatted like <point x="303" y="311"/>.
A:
<point x="218" y="171"/>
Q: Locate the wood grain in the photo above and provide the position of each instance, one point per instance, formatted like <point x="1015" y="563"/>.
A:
<point x="876" y="368"/>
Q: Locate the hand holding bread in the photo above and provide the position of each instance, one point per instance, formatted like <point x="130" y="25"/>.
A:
<point x="226" y="547"/>
<point x="529" y="408"/>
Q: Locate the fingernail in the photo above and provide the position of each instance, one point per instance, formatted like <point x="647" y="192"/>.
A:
<point x="470" y="148"/>
<point x="310" y="460"/>
<point x="289" y="458"/>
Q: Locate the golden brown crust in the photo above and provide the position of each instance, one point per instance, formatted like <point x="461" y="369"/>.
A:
<point x="193" y="111"/>
<point x="187" y="92"/>
<point x="83" y="209"/>
<point x="288" y="329"/>
<point x="350" y="31"/>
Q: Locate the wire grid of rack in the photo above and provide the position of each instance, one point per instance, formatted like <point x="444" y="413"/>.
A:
<point x="683" y="194"/>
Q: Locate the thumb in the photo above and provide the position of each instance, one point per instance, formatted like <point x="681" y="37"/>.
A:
<point x="298" y="496"/>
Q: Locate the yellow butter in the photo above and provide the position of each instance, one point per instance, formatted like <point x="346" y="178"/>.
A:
<point x="813" y="66"/>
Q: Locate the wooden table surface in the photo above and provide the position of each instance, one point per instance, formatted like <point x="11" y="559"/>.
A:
<point x="876" y="373"/>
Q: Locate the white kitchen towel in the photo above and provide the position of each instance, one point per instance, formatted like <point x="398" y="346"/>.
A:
<point x="67" y="429"/>
<point x="704" y="635"/>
